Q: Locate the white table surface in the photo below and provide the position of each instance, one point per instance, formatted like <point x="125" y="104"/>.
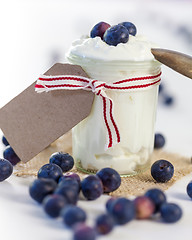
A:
<point x="31" y="40"/>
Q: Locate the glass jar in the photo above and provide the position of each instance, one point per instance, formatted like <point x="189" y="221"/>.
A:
<point x="134" y="113"/>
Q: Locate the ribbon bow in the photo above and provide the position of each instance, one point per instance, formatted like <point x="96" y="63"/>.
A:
<point x="70" y="82"/>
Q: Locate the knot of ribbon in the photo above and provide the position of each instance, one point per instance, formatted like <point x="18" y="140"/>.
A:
<point x="69" y="82"/>
<point x="96" y="86"/>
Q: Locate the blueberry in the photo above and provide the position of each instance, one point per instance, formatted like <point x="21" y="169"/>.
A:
<point x="42" y="187"/>
<point x="144" y="207"/>
<point x="99" y="29"/>
<point x="161" y="88"/>
<point x="6" y="169"/>
<point x="70" y="175"/>
<point x="157" y="196"/>
<point x="69" y="194"/>
<point x="69" y="189"/>
<point x="84" y="232"/>
<point x="159" y="141"/>
<point x="130" y="27"/>
<point x="10" y="155"/>
<point x="170" y="212"/>
<point x="123" y="210"/>
<point x="162" y="171"/>
<point x="91" y="187"/>
<point x="4" y="141"/>
<point x="50" y="170"/>
<point x="69" y="182"/>
<point x="109" y="203"/>
<point x="104" y="224"/>
<point x="168" y="100"/>
<point x="64" y="160"/>
<point x="116" y="34"/>
<point x="189" y="189"/>
<point x="110" y="178"/>
<point x="72" y="215"/>
<point x="53" y="204"/>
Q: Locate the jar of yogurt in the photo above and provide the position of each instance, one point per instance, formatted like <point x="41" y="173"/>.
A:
<point x="134" y="110"/>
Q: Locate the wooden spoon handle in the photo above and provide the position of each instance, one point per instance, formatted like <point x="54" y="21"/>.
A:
<point x="177" y="61"/>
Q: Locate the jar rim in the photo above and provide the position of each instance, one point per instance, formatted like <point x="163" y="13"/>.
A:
<point x="85" y="60"/>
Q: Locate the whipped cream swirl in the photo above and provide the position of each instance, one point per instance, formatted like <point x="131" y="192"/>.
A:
<point x="138" y="48"/>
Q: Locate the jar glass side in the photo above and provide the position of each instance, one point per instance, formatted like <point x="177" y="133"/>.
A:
<point x="134" y="112"/>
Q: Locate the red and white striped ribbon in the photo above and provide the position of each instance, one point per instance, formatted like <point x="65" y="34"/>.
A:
<point x="70" y="82"/>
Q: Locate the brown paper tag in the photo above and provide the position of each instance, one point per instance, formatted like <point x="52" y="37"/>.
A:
<point x="31" y="121"/>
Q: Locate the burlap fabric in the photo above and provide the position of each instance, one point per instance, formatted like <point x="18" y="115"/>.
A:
<point x="135" y="185"/>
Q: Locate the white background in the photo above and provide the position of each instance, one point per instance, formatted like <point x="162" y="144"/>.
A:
<point x="34" y="35"/>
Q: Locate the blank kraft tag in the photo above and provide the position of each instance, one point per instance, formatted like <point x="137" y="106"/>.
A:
<point x="32" y="121"/>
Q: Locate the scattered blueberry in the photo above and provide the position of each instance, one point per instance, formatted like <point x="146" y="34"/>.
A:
<point x="189" y="189"/>
<point x="6" y="169"/>
<point x="84" y="232"/>
<point x="104" y="224"/>
<point x="144" y="207"/>
<point x="168" y="100"/>
<point x="4" y="141"/>
<point x="69" y="194"/>
<point x="116" y="34"/>
<point x="170" y="212"/>
<point x="109" y="203"/>
<point x="64" y="160"/>
<point x="50" y="170"/>
<point x="157" y="196"/>
<point x="162" y="171"/>
<point x="110" y="178"/>
<point x="91" y="187"/>
<point x="99" y="29"/>
<point x="72" y="215"/>
<point x="53" y="204"/>
<point x="69" y="189"/>
<point x="161" y="88"/>
<point x="70" y="175"/>
<point x="122" y="210"/>
<point x="42" y="187"/>
<point x="159" y="141"/>
<point x="165" y="97"/>
<point x="130" y="27"/>
<point x="69" y="182"/>
<point x="10" y="155"/>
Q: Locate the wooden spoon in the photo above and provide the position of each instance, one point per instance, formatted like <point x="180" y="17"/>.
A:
<point x="179" y="62"/>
